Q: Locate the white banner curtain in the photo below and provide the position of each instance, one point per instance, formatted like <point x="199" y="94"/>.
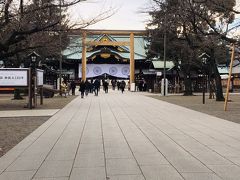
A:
<point x="117" y="70"/>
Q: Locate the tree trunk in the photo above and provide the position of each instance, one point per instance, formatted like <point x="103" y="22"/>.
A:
<point x="188" y="85"/>
<point x="17" y="94"/>
<point x="219" y="91"/>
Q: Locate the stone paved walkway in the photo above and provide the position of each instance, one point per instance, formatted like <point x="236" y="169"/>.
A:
<point x="126" y="137"/>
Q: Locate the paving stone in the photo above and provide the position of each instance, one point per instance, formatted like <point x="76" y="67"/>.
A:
<point x="90" y="148"/>
<point x="120" y="128"/>
<point x="231" y="172"/>
<point x="200" y="176"/>
<point x="58" y="178"/>
<point x="122" y="167"/>
<point x="54" y="169"/>
<point x="159" y="172"/>
<point x="88" y="174"/>
<point x="235" y="160"/>
<point x="26" y="163"/>
<point x="188" y="164"/>
<point x="90" y="160"/>
<point x="62" y="154"/>
<point x="126" y="177"/>
<point x="210" y="157"/>
<point x="17" y="175"/>
<point x="150" y="159"/>
<point x="226" y="151"/>
<point x="118" y="153"/>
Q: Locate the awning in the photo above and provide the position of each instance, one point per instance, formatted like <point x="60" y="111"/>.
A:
<point x="160" y="64"/>
<point x="222" y="70"/>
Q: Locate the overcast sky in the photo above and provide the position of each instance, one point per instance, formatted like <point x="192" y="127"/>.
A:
<point x="128" y="16"/>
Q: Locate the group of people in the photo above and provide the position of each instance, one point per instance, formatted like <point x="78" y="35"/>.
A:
<point x="67" y="86"/>
<point x="94" y="86"/>
<point x="87" y="86"/>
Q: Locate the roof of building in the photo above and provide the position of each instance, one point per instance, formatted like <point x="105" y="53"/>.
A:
<point x="74" y="49"/>
<point x="223" y="69"/>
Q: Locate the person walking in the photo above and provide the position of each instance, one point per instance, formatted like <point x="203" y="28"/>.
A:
<point x="82" y="88"/>
<point x="73" y="87"/>
<point x="105" y="85"/>
<point x="63" y="89"/>
<point x="96" y="87"/>
<point x="122" y="85"/>
<point x="87" y="87"/>
<point x="113" y="82"/>
<point x="118" y="85"/>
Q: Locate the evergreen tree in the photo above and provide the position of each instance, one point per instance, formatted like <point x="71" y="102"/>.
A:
<point x="193" y="27"/>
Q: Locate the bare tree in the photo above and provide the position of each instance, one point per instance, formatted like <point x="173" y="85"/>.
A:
<point x="26" y="25"/>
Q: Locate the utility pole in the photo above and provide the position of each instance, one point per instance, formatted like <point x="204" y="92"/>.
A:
<point x="60" y="42"/>
<point x="164" y="57"/>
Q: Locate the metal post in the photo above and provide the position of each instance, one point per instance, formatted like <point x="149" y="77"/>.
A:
<point x="203" y="88"/>
<point x="60" y="42"/>
<point x="35" y="89"/>
<point x="41" y="95"/>
<point x="30" y="88"/>
<point x="164" y="58"/>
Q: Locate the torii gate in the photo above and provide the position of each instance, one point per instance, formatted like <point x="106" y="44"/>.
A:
<point x="129" y="43"/>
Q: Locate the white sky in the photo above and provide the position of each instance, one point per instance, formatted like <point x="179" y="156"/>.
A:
<point x="127" y="17"/>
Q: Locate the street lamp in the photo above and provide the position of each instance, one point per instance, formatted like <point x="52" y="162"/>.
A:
<point x="204" y="62"/>
<point x="33" y="57"/>
<point x="33" y="79"/>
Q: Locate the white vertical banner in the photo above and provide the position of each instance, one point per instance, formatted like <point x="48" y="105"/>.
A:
<point x="117" y="70"/>
<point x="39" y="77"/>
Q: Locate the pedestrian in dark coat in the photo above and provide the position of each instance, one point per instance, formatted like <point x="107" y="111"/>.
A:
<point x="73" y="87"/>
<point x="82" y="88"/>
<point x="122" y="85"/>
<point x="118" y="85"/>
<point x="105" y="85"/>
<point x="96" y="87"/>
<point x="87" y="87"/>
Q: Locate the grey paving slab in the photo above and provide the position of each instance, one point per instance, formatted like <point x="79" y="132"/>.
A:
<point x="17" y="175"/>
<point x="89" y="160"/>
<point x="21" y="113"/>
<point x="150" y="159"/>
<point x="126" y="136"/>
<point x="97" y="173"/>
<point x="90" y="148"/>
<point x="227" y="172"/>
<point x="26" y="163"/>
<point x="200" y="176"/>
<point x="58" y="178"/>
<point x="54" y="169"/>
<point x="126" y="177"/>
<point x="122" y="166"/>
<point x="160" y="172"/>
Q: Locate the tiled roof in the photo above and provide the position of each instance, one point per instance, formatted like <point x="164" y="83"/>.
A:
<point x="74" y="50"/>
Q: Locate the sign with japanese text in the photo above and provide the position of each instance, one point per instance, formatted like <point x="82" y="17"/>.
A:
<point x="39" y="77"/>
<point x="13" y="77"/>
